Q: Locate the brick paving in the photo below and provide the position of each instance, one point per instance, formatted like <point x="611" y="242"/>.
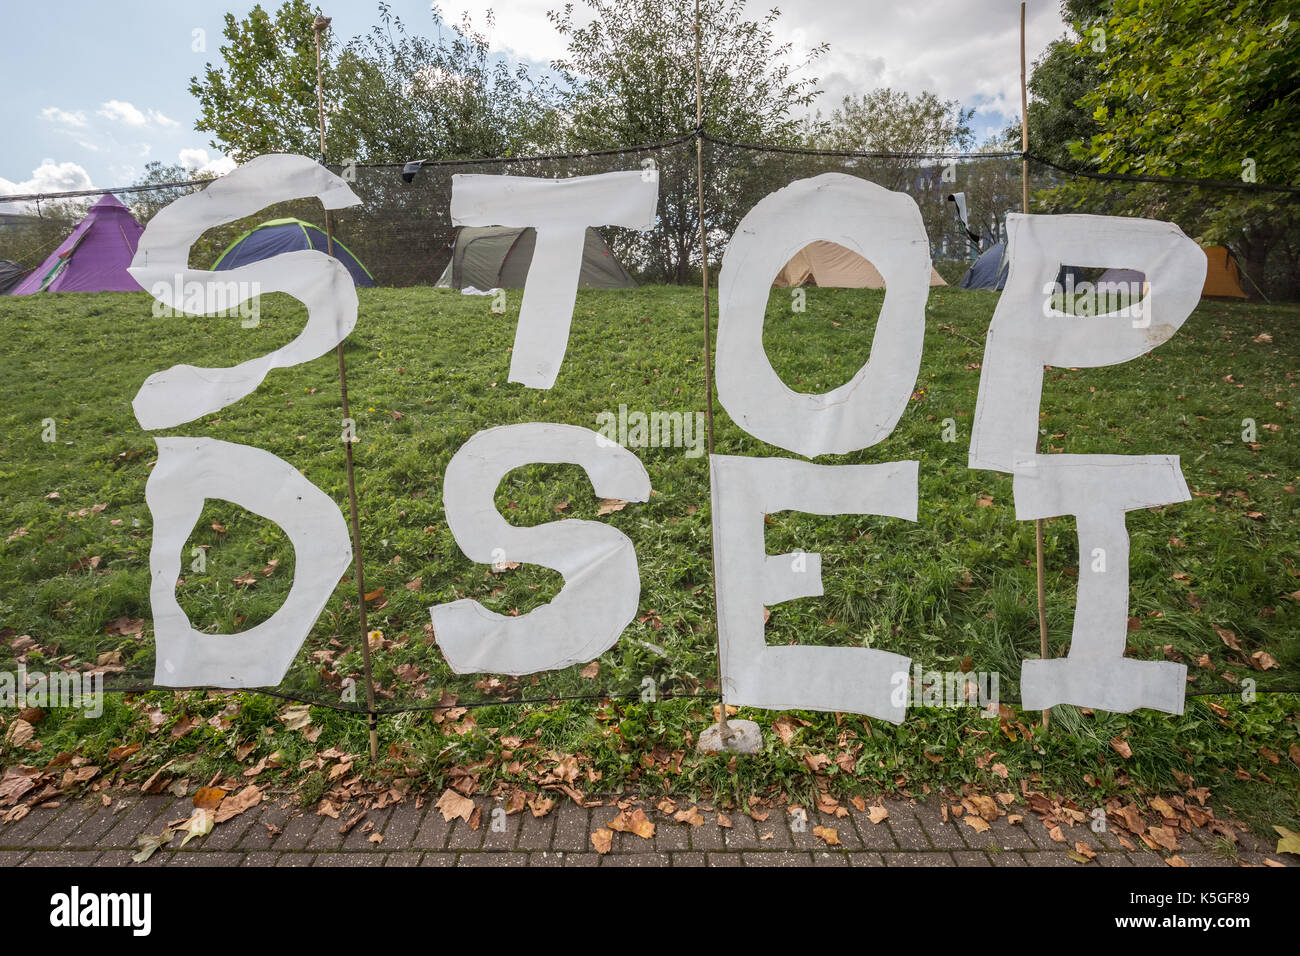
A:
<point x="86" y="833"/>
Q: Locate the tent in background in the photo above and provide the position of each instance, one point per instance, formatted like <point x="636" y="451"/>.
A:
<point x="288" y="235"/>
<point x="988" y="271"/>
<point x="1222" y="277"/>
<point x="498" y="257"/>
<point x="94" y="257"/>
<point x="830" y="265"/>
<point x="11" y="273"/>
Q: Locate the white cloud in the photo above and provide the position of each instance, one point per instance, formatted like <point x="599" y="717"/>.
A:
<point x="197" y="162"/>
<point x="124" y="113"/>
<point x="49" y="177"/>
<point x="119" y="111"/>
<point x="75" y="118"/>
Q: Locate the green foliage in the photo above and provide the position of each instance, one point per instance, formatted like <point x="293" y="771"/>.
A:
<point x="630" y="73"/>
<point x="405" y="96"/>
<point x="263" y="98"/>
<point x="1194" y="89"/>
<point x="146" y="203"/>
<point x="894" y="121"/>
<point x="1205" y="90"/>
<point x="1060" y="77"/>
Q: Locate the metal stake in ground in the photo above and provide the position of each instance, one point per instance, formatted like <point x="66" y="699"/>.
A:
<point x="741" y="736"/>
<point x="319" y="26"/>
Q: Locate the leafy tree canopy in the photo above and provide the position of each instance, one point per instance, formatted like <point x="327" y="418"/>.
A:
<point x="629" y="74"/>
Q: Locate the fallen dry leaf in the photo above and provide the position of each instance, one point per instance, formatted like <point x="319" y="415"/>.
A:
<point x="234" y="805"/>
<point x="691" y="816"/>
<point x="209" y="798"/>
<point x="829" y="834"/>
<point x="453" y="805"/>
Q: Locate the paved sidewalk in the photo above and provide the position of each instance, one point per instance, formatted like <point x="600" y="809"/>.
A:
<point x="84" y="832"/>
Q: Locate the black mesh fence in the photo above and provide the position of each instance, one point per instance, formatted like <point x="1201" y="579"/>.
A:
<point x="417" y="404"/>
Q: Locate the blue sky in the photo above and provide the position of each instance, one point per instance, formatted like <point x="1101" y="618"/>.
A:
<point x="101" y="89"/>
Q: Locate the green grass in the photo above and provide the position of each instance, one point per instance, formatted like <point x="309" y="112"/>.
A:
<point x="955" y="589"/>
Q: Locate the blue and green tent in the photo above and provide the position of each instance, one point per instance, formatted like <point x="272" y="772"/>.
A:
<point x="288" y="235"/>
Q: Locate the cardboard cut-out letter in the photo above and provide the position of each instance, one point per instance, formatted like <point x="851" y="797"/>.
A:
<point x="1098" y="490"/>
<point x="560" y="210"/>
<point x="601" y="585"/>
<point x="1027" y="334"/>
<point x="884" y="227"/>
<point x="856" y="680"/>
<point x="190" y="470"/>
<point x="161" y="265"/>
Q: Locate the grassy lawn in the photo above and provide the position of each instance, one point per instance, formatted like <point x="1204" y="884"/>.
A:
<point x="1213" y="581"/>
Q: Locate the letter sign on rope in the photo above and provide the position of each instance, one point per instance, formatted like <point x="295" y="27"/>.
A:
<point x="1099" y="490"/>
<point x="601" y="584"/>
<point x="882" y="226"/>
<point x="561" y="210"/>
<point x="1027" y="333"/>
<point x="886" y="228"/>
<point x="189" y="470"/>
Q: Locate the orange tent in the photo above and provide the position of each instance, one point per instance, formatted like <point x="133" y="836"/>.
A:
<point x="1222" y="277"/>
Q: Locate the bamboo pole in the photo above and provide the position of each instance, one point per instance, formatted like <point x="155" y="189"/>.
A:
<point x="1024" y="203"/>
<point x="724" y="729"/>
<point x="319" y="26"/>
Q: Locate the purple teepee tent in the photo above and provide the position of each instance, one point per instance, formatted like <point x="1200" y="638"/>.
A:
<point x="94" y="257"/>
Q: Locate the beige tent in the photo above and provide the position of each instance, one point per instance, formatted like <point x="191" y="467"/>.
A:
<point x="825" y="264"/>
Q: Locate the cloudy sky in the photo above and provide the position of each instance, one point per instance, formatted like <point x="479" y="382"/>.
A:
<point x="94" y="97"/>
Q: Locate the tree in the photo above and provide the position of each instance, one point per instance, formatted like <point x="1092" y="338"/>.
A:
<point x="389" y="96"/>
<point x="263" y="100"/>
<point x="893" y="121"/>
<point x="1198" y="89"/>
<point x="630" y="73"/>
<point x="146" y="203"/>
<point x="409" y="97"/>
<point x="628" y="77"/>
<point x="1062" y="74"/>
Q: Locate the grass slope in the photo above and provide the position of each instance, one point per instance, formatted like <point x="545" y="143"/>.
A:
<point x="428" y="368"/>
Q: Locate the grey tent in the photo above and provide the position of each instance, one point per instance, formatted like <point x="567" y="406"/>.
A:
<point x="989" y="271"/>
<point x="11" y="273"/>
<point x="497" y="257"/>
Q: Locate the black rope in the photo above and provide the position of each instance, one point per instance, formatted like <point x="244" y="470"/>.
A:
<point x="701" y="132"/>
<point x="809" y="151"/>
<point x="391" y="709"/>
<point x="72" y="194"/>
<point x="484" y="160"/>
<point x="1164" y="180"/>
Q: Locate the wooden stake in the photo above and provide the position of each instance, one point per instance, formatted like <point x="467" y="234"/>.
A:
<point x="723" y="729"/>
<point x="1024" y="201"/>
<point x="320" y="25"/>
